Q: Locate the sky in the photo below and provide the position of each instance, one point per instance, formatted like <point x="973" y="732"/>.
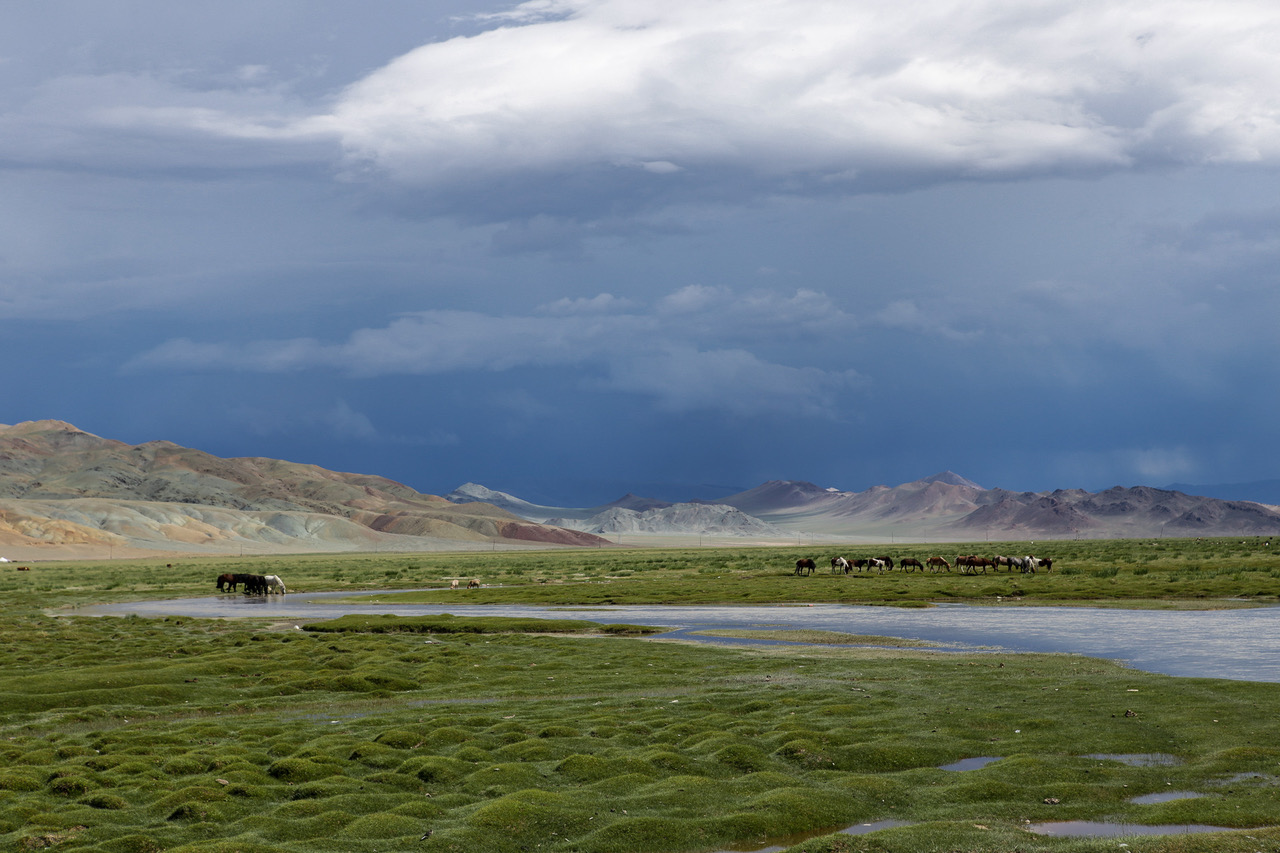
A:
<point x="571" y="249"/>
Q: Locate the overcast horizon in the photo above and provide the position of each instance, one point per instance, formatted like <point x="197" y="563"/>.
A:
<point x="566" y="247"/>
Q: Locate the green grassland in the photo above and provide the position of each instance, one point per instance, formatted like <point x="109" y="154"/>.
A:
<point x="127" y="735"/>
<point x="1149" y="573"/>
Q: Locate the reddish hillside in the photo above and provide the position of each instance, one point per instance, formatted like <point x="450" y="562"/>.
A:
<point x="61" y="484"/>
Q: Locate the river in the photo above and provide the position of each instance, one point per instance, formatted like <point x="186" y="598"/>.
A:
<point x="1239" y="644"/>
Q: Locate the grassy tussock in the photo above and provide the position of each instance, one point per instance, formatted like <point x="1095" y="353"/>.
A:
<point x="514" y="743"/>
<point x="140" y="736"/>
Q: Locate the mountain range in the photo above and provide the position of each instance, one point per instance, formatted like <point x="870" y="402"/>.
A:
<point x="68" y="493"/>
<point x="945" y="506"/>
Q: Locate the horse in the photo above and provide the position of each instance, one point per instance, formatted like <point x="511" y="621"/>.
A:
<point x="454" y="584"/>
<point x="972" y="561"/>
<point x="1022" y="564"/>
<point x="473" y="584"/>
<point x="860" y="564"/>
<point x="1003" y="561"/>
<point x="228" y="582"/>
<point x="875" y="563"/>
<point x="888" y="562"/>
<point x="935" y="562"/>
<point x="838" y="563"/>
<point x="910" y="563"/>
<point x="1044" y="562"/>
<point x="274" y="584"/>
<point x="806" y="565"/>
<point x="253" y="584"/>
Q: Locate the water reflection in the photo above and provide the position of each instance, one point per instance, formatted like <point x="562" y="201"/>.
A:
<point x="970" y="763"/>
<point x="774" y="845"/>
<point x="1235" y="644"/>
<point x="1109" y="829"/>
<point x="1139" y="759"/>
<point x="1165" y="797"/>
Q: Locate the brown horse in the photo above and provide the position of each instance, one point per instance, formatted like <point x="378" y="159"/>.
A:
<point x="806" y="565"/>
<point x="910" y="564"/>
<point x="936" y="562"/>
<point x="227" y="581"/>
<point x="972" y="561"/>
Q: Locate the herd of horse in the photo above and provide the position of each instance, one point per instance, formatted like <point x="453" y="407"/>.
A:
<point x="966" y="563"/>
<point x="253" y="584"/>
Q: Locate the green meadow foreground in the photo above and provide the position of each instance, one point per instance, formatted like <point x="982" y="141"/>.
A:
<point x="450" y="734"/>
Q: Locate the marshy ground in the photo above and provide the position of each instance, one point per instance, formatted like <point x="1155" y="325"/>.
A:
<point x="402" y="733"/>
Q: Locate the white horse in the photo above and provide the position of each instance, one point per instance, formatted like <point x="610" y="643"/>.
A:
<point x="274" y="584"/>
<point x="838" y="563"/>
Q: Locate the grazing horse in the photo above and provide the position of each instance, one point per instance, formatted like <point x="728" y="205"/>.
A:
<point x="274" y="584"/>
<point x="910" y="563"/>
<point x="1003" y="561"/>
<point x="228" y="582"/>
<point x="974" y="562"/>
<point x="935" y="562"/>
<point x="876" y="563"/>
<point x="454" y="584"/>
<point x="1044" y="562"/>
<point x="473" y="584"/>
<point x="805" y="565"/>
<point x="838" y="563"/>
<point x="888" y="562"/>
<point x="860" y="564"/>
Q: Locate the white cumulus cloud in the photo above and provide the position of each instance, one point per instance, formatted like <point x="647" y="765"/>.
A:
<point x="798" y="92"/>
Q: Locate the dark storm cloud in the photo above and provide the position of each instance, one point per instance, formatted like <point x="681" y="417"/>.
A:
<point x="705" y="242"/>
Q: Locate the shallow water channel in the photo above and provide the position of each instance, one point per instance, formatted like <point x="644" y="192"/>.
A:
<point x="1239" y="644"/>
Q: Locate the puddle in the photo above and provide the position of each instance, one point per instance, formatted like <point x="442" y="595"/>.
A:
<point x="1240" y="778"/>
<point x="1165" y="796"/>
<point x="1108" y="829"/>
<point x="970" y="763"/>
<point x="1138" y="759"/>
<point x="785" y="842"/>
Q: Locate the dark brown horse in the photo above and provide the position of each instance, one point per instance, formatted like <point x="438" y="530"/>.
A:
<point x="805" y="565"/>
<point x="910" y="564"/>
<point x="227" y="582"/>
